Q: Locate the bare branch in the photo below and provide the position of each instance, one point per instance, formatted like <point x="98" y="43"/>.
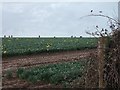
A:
<point x="101" y="15"/>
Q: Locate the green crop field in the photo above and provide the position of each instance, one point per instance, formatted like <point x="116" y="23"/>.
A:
<point x="54" y="73"/>
<point x="21" y="46"/>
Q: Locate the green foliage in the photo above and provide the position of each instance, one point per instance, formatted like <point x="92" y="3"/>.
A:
<point x="54" y="73"/>
<point x="22" y="46"/>
<point x="19" y="71"/>
<point x="9" y="74"/>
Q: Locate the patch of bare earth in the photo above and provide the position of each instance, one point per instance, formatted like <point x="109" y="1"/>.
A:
<point x="13" y="63"/>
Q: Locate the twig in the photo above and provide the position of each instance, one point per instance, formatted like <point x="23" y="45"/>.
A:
<point x="101" y="15"/>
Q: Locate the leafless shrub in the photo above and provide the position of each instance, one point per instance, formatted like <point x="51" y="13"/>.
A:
<point x="112" y="68"/>
<point x="112" y="51"/>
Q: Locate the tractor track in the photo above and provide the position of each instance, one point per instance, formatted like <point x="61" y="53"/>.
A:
<point x="28" y="61"/>
<point x="35" y="60"/>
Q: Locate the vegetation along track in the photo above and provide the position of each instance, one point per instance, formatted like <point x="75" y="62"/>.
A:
<point x="14" y="63"/>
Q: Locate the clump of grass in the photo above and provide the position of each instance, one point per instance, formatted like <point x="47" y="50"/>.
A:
<point x="9" y="74"/>
<point x="19" y="71"/>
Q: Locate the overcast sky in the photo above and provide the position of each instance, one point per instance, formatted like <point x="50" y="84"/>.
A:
<point x="54" y="19"/>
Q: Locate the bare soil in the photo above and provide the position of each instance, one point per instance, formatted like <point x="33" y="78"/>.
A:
<point x="13" y="63"/>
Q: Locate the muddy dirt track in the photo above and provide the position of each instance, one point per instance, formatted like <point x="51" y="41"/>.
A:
<point x="28" y="61"/>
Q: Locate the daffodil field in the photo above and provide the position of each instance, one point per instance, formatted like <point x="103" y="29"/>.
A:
<point x="60" y="73"/>
<point x="21" y="46"/>
<point x="64" y="69"/>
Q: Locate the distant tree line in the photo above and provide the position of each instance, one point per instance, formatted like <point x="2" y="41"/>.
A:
<point x="10" y="36"/>
<point x="75" y="36"/>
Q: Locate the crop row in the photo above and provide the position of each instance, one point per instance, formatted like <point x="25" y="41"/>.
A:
<point x="53" y="73"/>
<point x="18" y="46"/>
